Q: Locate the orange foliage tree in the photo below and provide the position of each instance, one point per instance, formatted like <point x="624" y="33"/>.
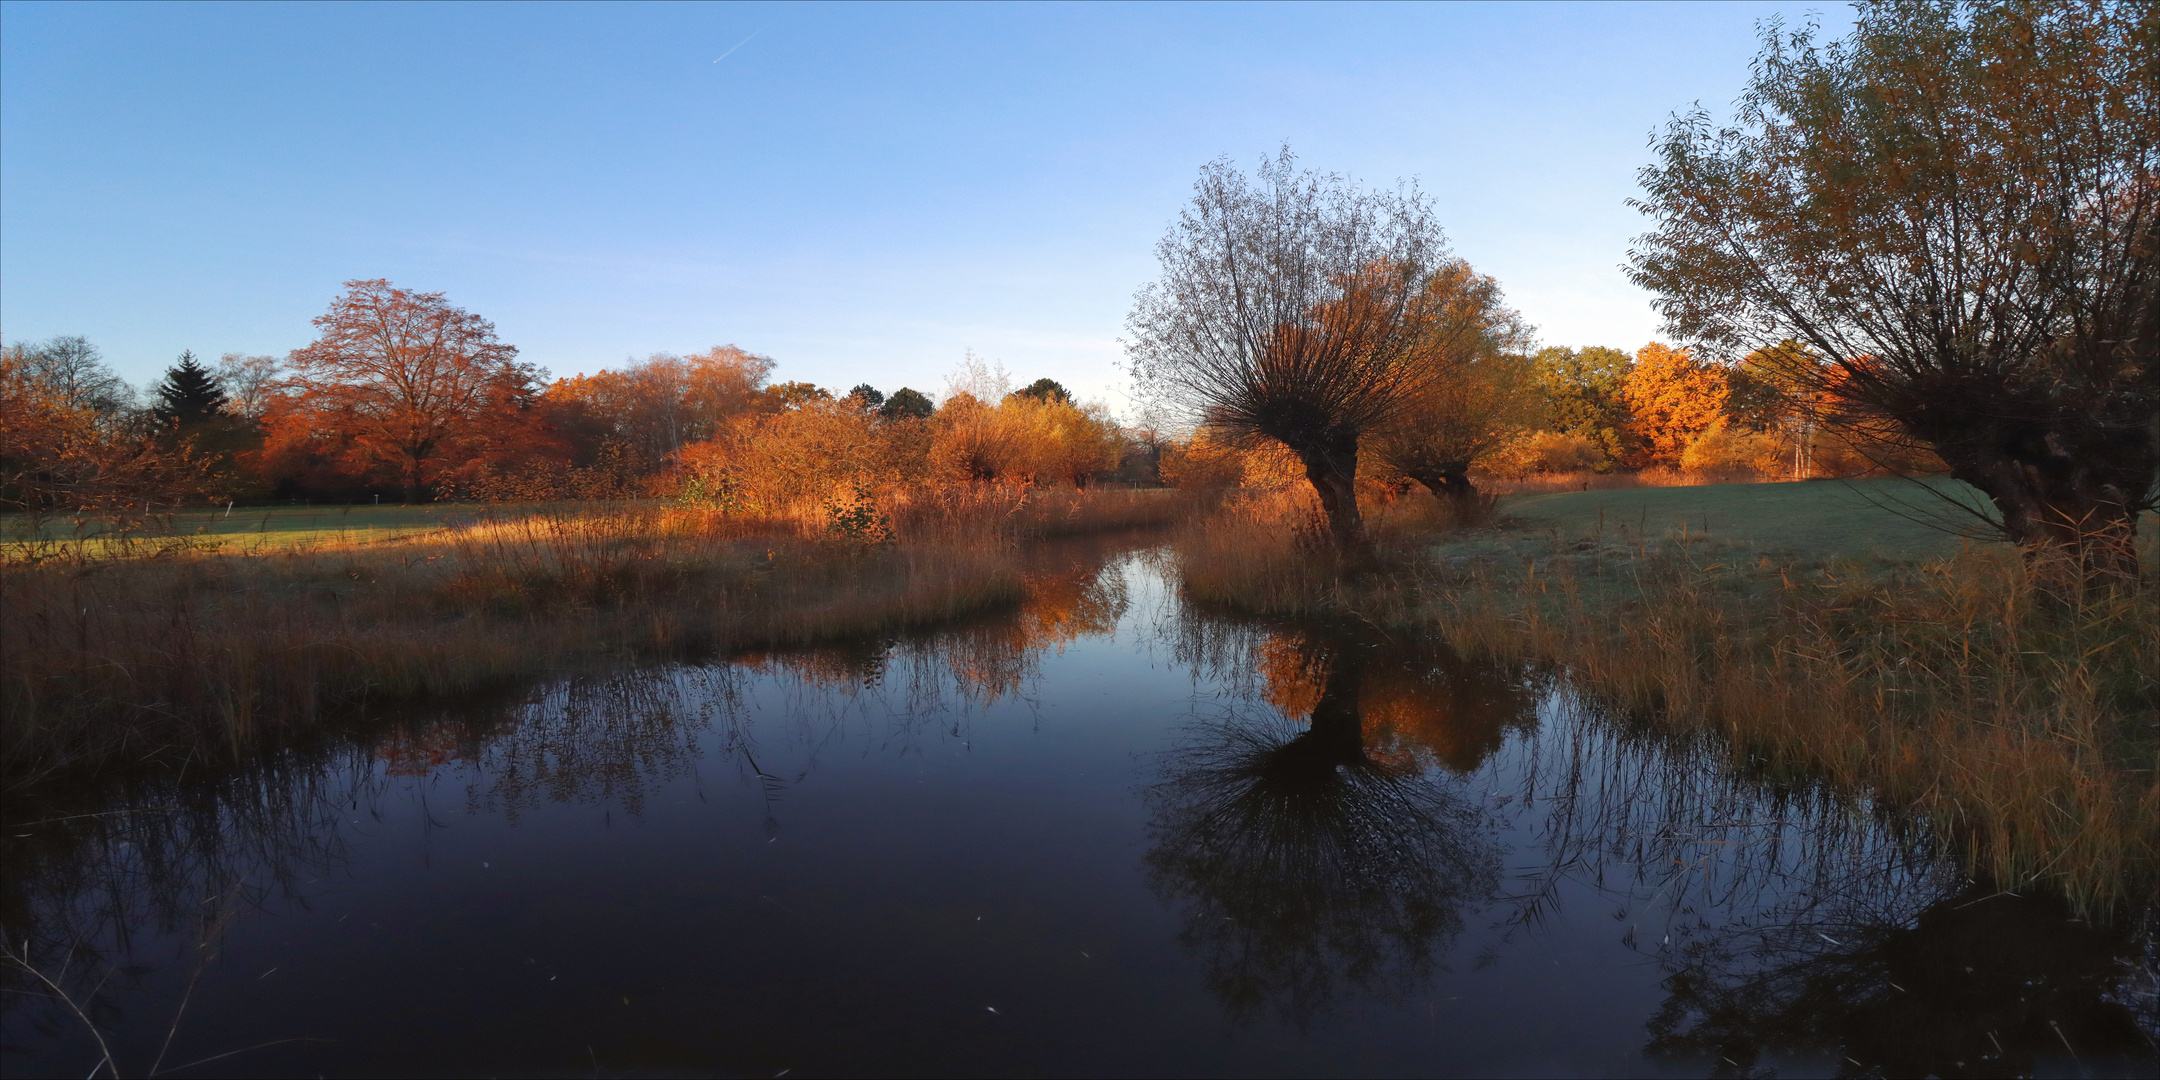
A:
<point x="658" y="405"/>
<point x="1672" y="399"/>
<point x="397" y="378"/>
<point x="66" y="441"/>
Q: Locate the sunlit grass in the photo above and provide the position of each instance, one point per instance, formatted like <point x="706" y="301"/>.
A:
<point x="231" y="529"/>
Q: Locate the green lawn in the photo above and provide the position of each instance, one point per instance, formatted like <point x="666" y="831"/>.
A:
<point x="255" y="528"/>
<point x="1887" y="519"/>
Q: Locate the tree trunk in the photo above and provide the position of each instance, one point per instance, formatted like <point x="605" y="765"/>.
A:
<point x="2072" y="513"/>
<point x="1335" y="737"/>
<point x="1331" y="466"/>
<point x="1450" y="483"/>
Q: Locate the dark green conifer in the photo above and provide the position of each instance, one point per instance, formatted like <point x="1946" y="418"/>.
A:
<point x="1045" y="390"/>
<point x="189" y="394"/>
<point x="906" y="403"/>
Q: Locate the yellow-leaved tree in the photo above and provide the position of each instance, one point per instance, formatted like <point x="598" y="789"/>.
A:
<point x="1672" y="398"/>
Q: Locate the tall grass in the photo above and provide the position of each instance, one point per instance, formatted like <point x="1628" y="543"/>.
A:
<point x="2027" y="733"/>
<point x="195" y="656"/>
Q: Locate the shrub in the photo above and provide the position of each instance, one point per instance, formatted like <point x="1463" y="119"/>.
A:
<point x="1724" y="450"/>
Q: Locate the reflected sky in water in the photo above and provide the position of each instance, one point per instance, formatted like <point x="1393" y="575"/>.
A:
<point x="1104" y="834"/>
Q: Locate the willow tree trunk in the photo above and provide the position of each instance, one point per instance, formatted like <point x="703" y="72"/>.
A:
<point x="2069" y="495"/>
<point x="1331" y="466"/>
<point x="1450" y="483"/>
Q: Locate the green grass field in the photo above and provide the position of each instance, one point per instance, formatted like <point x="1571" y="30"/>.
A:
<point x="251" y="528"/>
<point x="1887" y="519"/>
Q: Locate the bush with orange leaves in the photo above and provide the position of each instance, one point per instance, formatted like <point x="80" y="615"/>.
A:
<point x="771" y="464"/>
<point x="1212" y="461"/>
<point x="1023" y="440"/>
<point x="1726" y="451"/>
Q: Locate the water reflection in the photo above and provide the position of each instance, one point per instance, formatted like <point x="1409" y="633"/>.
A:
<point x="1337" y="827"/>
<point x="1314" y="848"/>
<point x="1979" y="983"/>
<point x="1793" y="920"/>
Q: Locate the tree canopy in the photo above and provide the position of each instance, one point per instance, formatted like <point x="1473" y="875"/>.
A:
<point x="1288" y="307"/>
<point x="399" y="374"/>
<point x="1954" y="211"/>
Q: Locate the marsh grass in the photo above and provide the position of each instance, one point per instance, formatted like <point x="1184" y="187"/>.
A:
<point x="193" y="657"/>
<point x="2026" y="732"/>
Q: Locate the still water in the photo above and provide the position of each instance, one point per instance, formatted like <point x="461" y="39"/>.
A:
<point x="1105" y="834"/>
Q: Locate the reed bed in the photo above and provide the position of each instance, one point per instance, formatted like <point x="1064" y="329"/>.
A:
<point x="2025" y="732"/>
<point x="197" y="657"/>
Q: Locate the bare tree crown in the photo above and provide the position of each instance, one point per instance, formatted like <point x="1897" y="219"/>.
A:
<point x="1283" y="300"/>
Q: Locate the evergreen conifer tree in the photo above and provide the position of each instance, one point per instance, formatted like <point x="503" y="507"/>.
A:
<point x="190" y="393"/>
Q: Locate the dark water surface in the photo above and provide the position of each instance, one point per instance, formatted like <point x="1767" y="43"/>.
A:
<point x="1107" y="834"/>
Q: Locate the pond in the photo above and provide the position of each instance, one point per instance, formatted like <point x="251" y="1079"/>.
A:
<point x="1107" y="833"/>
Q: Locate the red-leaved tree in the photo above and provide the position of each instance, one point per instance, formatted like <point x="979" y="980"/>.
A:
<point x="399" y="377"/>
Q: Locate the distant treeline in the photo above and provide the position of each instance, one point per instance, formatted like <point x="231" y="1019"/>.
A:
<point x="406" y="397"/>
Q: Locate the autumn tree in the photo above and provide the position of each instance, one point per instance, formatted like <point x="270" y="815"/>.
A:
<point x="1954" y="210"/>
<point x="401" y="374"/>
<point x="66" y="443"/>
<point x="655" y="406"/>
<point x="1477" y="393"/>
<point x="1286" y="309"/>
<point x="1775" y="390"/>
<point x="248" y="382"/>
<point x="1672" y="398"/>
<point x="1583" y="395"/>
<point x="71" y="372"/>
<point x="793" y="395"/>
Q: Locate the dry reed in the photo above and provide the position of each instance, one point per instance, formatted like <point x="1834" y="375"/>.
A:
<point x="2027" y="734"/>
<point x="196" y="656"/>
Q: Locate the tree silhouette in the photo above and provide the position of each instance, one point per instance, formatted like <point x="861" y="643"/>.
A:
<point x="1309" y="867"/>
<point x="190" y="394"/>
<point x="1289" y="309"/>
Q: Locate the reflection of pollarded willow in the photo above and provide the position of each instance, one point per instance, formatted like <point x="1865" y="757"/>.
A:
<point x="1307" y="867"/>
<point x="172" y="861"/>
<point x="1790" y="917"/>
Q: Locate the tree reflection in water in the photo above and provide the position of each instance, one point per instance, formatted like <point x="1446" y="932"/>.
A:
<point x="1320" y="839"/>
<point x="1315" y="852"/>
<point x="1789" y="919"/>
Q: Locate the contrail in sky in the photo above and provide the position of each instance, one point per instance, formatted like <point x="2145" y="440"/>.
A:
<point x="739" y="45"/>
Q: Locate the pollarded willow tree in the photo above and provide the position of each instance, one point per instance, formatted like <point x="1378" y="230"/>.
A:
<point x="1954" y="209"/>
<point x="1477" y="389"/>
<point x="1290" y="307"/>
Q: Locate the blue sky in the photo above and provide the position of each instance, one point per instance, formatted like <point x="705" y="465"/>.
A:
<point x="861" y="192"/>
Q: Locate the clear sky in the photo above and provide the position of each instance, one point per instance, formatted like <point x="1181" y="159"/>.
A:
<point x="861" y="192"/>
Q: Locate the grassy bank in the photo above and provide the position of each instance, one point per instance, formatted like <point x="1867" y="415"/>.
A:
<point x="1812" y="627"/>
<point x="195" y="654"/>
<point x="241" y="529"/>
